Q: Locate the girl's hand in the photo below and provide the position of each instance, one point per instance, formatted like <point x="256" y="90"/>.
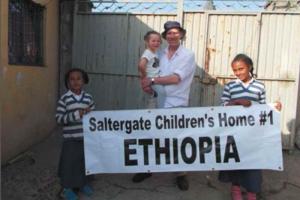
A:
<point x="84" y="111"/>
<point x="242" y="102"/>
<point x="278" y="105"/>
<point x="87" y="110"/>
<point x="81" y="112"/>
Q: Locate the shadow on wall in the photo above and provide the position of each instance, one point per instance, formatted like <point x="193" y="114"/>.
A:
<point x="297" y="121"/>
<point x="291" y="127"/>
<point x="110" y="54"/>
<point x="206" y="90"/>
<point x="297" y="140"/>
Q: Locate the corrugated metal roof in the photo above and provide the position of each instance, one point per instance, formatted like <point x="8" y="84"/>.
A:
<point x="245" y="5"/>
<point x="170" y="6"/>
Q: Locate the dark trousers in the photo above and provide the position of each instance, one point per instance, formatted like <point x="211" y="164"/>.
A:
<point x="251" y="180"/>
<point x="71" y="168"/>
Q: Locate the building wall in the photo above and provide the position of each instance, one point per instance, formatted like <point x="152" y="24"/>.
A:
<point x="29" y="93"/>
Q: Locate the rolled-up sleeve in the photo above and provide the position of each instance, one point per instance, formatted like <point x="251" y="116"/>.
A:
<point x="186" y="67"/>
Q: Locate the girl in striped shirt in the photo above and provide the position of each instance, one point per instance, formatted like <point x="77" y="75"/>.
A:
<point x="245" y="90"/>
<point x="70" y="110"/>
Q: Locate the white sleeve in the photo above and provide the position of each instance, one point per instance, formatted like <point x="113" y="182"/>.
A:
<point x="186" y="67"/>
<point x="147" y="54"/>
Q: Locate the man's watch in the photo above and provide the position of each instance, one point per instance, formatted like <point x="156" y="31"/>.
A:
<point x="152" y="81"/>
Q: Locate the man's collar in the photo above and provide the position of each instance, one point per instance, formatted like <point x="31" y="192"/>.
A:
<point x="176" y="52"/>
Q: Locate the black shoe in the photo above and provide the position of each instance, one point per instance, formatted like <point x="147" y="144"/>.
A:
<point x="182" y="182"/>
<point x="140" y="177"/>
<point x="154" y="94"/>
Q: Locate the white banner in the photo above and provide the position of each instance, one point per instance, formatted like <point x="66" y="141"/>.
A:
<point x="182" y="139"/>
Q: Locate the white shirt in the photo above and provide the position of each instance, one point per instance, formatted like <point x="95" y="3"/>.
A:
<point x="183" y="64"/>
<point x="76" y="96"/>
<point x="152" y="69"/>
<point x="245" y="84"/>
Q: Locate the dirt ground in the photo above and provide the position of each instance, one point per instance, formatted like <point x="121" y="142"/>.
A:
<point x="32" y="175"/>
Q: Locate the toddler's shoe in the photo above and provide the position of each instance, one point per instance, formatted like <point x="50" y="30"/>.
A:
<point x="69" y="194"/>
<point x="154" y="94"/>
<point x="87" y="190"/>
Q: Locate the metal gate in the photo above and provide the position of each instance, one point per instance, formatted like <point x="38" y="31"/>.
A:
<point x="108" y="47"/>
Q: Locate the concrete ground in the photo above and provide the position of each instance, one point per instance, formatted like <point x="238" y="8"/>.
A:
<point x="32" y="175"/>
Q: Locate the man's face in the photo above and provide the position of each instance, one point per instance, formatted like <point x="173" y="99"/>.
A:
<point x="173" y="37"/>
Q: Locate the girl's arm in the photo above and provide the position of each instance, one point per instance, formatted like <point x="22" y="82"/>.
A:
<point x="226" y="96"/>
<point x="227" y="101"/>
<point x="64" y="117"/>
<point x="90" y="108"/>
<point x="241" y="102"/>
<point x="143" y="76"/>
<point x="142" y="67"/>
<point x="262" y="97"/>
<point x="92" y="105"/>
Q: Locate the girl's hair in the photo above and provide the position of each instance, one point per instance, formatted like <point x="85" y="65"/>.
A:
<point x="147" y="35"/>
<point x="85" y="76"/>
<point x="246" y="59"/>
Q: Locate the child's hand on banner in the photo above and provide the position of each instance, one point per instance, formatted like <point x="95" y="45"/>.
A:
<point x="278" y="105"/>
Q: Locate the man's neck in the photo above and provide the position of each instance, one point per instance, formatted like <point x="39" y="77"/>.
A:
<point x="173" y="48"/>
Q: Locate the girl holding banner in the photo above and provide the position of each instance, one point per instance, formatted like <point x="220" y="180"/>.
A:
<point x="245" y="90"/>
<point x="70" y="110"/>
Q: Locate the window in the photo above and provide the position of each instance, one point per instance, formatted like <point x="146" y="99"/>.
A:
<point x="25" y="33"/>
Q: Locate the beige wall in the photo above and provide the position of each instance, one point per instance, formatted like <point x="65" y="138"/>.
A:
<point x="29" y="93"/>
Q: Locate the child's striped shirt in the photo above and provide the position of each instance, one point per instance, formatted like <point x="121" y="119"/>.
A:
<point x="254" y="91"/>
<point x="67" y="113"/>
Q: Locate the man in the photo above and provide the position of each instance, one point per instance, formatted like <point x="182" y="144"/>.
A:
<point x="177" y="65"/>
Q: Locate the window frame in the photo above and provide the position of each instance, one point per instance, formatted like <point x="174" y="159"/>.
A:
<point x="26" y="33"/>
